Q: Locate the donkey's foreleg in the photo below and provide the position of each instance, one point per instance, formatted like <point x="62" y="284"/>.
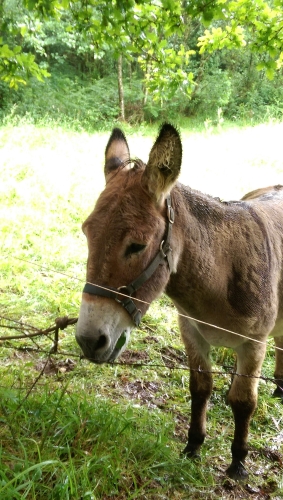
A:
<point x="200" y="388"/>
<point x="242" y="398"/>
<point x="200" y="385"/>
<point x="278" y="373"/>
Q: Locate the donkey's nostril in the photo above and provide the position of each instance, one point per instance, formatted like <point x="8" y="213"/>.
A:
<point x="102" y="341"/>
<point x="90" y="345"/>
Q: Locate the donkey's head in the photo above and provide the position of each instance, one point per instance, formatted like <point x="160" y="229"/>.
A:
<point x="127" y="266"/>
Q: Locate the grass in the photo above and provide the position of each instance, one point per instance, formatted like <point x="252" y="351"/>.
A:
<point x="72" y="430"/>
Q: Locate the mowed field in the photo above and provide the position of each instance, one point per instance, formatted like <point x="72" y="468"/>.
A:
<point x="72" y="430"/>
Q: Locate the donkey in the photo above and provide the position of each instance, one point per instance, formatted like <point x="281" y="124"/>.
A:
<point x="219" y="262"/>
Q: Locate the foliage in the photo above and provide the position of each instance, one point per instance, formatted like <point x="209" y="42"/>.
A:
<point x="16" y="64"/>
<point x="131" y="28"/>
<point x="16" y="67"/>
<point x="154" y="33"/>
<point x="257" y="24"/>
<point x="143" y="30"/>
<point x="172" y="66"/>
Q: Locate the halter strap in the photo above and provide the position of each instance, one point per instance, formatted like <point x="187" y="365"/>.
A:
<point x="165" y="252"/>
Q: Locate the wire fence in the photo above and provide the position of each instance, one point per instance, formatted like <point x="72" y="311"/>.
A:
<point x="30" y="332"/>
<point x="61" y="323"/>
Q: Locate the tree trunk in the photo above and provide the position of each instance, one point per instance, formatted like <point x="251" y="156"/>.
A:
<point x="121" y="89"/>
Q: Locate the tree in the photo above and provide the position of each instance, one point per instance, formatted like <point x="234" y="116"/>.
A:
<point x="146" y="30"/>
<point x="153" y="31"/>
<point x="151" y="28"/>
<point x="121" y="89"/>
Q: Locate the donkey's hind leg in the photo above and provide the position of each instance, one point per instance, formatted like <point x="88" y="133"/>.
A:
<point x="242" y="398"/>
<point x="278" y="373"/>
<point x="200" y="384"/>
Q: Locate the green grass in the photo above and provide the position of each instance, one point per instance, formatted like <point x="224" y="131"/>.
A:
<point x="81" y="431"/>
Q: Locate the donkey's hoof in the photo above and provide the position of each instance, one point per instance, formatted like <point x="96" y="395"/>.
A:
<point x="237" y="471"/>
<point x="278" y="393"/>
<point x="191" y="452"/>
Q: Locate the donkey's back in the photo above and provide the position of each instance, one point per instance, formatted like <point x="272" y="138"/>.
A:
<point x="268" y="193"/>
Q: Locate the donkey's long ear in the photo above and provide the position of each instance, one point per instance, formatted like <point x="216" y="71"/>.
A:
<point x="116" y="152"/>
<point x="164" y="163"/>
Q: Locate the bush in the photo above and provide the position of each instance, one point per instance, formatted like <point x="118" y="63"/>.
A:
<point x="86" y="105"/>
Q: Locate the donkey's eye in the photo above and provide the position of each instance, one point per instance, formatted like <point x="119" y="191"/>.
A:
<point x="134" y="248"/>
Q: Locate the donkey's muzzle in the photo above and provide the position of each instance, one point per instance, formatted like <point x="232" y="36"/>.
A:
<point x="94" y="349"/>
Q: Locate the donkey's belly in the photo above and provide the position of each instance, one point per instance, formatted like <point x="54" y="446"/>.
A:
<point x="219" y="338"/>
<point x="278" y="329"/>
<point x="230" y="337"/>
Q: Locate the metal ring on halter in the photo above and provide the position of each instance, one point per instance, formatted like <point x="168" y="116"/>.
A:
<point x="161" y="249"/>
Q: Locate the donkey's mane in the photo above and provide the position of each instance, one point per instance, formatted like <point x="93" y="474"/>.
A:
<point x="137" y="166"/>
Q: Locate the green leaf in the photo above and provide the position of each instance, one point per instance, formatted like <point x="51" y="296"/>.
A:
<point x="121" y="341"/>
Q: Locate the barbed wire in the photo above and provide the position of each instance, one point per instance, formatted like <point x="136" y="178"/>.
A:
<point x="63" y="322"/>
<point x="30" y="332"/>
<point x="60" y="324"/>
<point x="42" y="267"/>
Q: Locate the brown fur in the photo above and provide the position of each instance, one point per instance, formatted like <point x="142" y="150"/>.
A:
<point x="228" y="272"/>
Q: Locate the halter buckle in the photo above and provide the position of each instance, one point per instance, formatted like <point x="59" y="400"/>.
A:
<point x="171" y="215"/>
<point x="170" y="210"/>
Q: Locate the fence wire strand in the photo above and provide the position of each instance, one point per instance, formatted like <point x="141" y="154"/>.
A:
<point x="30" y="331"/>
<point x="63" y="322"/>
<point x="45" y="268"/>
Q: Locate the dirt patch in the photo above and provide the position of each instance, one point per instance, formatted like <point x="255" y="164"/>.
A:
<point x="54" y="366"/>
<point x="181" y="427"/>
<point x="174" y="358"/>
<point x="146" y="393"/>
<point x="131" y="357"/>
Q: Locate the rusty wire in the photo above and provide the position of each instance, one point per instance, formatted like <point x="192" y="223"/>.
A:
<point x="60" y="324"/>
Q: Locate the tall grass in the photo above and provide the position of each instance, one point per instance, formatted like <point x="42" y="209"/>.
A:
<point x="79" y="431"/>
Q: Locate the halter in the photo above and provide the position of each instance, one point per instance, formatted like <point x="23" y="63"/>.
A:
<point x="165" y="252"/>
